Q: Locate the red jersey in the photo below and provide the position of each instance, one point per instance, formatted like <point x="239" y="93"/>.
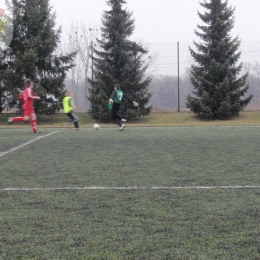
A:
<point x="27" y="97"/>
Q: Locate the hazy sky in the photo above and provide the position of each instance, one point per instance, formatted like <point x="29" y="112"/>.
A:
<point x="162" y="22"/>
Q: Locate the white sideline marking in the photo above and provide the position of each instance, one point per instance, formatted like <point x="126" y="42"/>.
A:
<point x="133" y="188"/>
<point x="24" y="144"/>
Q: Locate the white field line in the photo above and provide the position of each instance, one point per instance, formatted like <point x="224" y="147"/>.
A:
<point x="27" y="143"/>
<point x="134" y="188"/>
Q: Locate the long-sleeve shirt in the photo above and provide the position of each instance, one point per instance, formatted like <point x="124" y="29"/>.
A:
<point x="118" y="96"/>
<point x="27" y="97"/>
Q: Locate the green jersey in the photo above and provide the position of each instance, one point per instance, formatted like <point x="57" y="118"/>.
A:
<point x="118" y="96"/>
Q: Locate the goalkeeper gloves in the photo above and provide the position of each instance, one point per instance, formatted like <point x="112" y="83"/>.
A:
<point x="110" y="100"/>
<point x="135" y="104"/>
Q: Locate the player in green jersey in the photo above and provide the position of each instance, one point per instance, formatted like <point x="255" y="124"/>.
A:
<point x="115" y="100"/>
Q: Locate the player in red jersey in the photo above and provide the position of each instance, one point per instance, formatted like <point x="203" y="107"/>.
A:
<point x="27" y="97"/>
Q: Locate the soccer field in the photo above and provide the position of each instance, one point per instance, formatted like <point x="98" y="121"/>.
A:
<point x="144" y="193"/>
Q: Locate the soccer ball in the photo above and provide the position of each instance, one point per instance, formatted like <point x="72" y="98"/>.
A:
<point x="96" y="126"/>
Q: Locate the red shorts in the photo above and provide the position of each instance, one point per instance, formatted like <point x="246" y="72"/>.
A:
<point x="28" y="112"/>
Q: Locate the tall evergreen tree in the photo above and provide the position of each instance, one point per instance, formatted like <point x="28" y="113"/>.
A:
<point x="3" y="88"/>
<point x="218" y="87"/>
<point x="119" y="60"/>
<point x="32" y="54"/>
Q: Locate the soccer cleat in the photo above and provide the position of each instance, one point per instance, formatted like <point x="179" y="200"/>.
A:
<point x="10" y="120"/>
<point x="77" y="129"/>
<point x="123" y="120"/>
<point x="37" y="132"/>
<point x="122" y="127"/>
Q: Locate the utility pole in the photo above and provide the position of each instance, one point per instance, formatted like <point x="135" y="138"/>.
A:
<point x="92" y="60"/>
<point x="92" y="34"/>
<point x="178" y="61"/>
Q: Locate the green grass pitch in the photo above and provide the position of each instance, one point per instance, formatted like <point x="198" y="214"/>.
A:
<point x="144" y="193"/>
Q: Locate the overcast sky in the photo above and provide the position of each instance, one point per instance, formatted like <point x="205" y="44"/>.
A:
<point x="161" y="21"/>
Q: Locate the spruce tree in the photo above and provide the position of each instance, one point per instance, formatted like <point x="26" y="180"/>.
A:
<point x="33" y="54"/>
<point x="6" y="34"/>
<point x="215" y="76"/>
<point x="119" y="60"/>
<point x="3" y="87"/>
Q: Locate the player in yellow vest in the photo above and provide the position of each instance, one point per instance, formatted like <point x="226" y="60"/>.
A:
<point x="68" y="106"/>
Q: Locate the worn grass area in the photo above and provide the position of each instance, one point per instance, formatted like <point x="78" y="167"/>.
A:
<point x="56" y="120"/>
<point x="188" y="119"/>
<point x="147" y="193"/>
<point x="154" y="119"/>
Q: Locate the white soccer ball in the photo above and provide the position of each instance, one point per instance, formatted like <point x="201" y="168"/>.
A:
<point x="96" y="126"/>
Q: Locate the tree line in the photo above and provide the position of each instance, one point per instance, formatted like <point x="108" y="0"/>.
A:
<point x="214" y="87"/>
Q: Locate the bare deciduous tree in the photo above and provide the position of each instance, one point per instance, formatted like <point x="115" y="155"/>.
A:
<point x="79" y="40"/>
